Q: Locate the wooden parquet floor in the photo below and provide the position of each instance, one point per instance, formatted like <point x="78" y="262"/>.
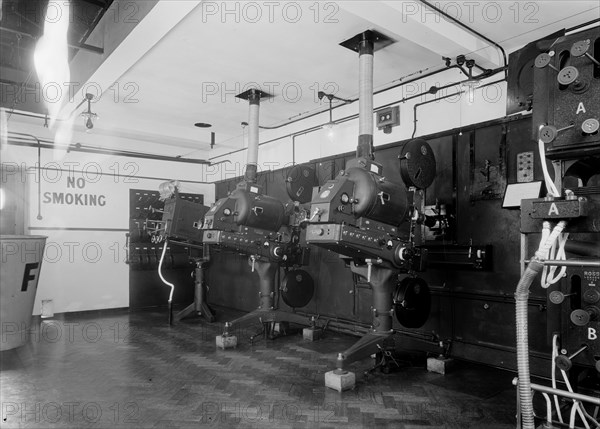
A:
<point x="132" y="370"/>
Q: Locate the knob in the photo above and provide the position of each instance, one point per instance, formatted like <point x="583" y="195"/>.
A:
<point x="590" y="126"/>
<point x="320" y="231"/>
<point x="580" y="317"/>
<point x="278" y="251"/>
<point x="568" y="75"/>
<point x="543" y="60"/>
<point x="591" y="296"/>
<point x="557" y="297"/>
<point x="565" y="363"/>
<point x="581" y="48"/>
<point x="549" y="132"/>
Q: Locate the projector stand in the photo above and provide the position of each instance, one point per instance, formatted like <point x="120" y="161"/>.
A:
<point x="199" y="306"/>
<point x="265" y="313"/>
<point x="383" y="282"/>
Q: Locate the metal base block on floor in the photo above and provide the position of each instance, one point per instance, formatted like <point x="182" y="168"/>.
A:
<point x="340" y="380"/>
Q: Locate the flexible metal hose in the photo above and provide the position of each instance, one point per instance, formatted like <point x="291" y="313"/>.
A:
<point x="534" y="267"/>
<point x="521" y="298"/>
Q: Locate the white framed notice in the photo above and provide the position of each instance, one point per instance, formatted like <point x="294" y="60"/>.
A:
<point x="515" y="192"/>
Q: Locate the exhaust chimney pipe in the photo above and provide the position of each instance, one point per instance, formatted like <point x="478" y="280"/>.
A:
<point x="365" y="97"/>
<point x="366" y="43"/>
<point x="253" y="96"/>
<point x="252" y="162"/>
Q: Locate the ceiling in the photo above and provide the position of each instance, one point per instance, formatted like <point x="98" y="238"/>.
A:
<point x="185" y="61"/>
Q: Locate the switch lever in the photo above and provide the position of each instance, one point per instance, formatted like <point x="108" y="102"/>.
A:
<point x="581" y="49"/>
<point x="564" y="362"/>
<point x="543" y="60"/>
<point x="549" y="132"/>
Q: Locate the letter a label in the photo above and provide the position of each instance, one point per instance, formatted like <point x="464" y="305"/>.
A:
<point x="553" y="210"/>
<point x="592" y="334"/>
<point x="580" y="108"/>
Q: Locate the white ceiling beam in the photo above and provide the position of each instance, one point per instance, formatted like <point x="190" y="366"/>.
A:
<point x="157" y="23"/>
<point x="413" y="21"/>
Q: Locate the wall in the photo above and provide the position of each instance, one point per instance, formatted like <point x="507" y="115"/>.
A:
<point x="84" y="210"/>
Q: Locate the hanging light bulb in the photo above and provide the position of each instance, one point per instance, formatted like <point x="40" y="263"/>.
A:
<point x="88" y="115"/>
<point x="470" y="84"/>
<point x="330" y="126"/>
<point x="470" y="87"/>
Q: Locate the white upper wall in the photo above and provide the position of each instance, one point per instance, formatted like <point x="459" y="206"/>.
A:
<point x="489" y="102"/>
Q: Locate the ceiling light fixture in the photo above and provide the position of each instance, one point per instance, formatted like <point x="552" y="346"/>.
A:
<point x="202" y="125"/>
<point x="471" y="83"/>
<point x="89" y="116"/>
<point x="331" y="124"/>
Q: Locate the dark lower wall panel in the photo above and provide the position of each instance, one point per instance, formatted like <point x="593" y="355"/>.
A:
<point x="472" y="311"/>
<point x="230" y="281"/>
<point x="146" y="289"/>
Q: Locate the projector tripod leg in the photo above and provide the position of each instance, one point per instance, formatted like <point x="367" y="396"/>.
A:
<point x="265" y="313"/>
<point x="383" y="282"/>
<point x="199" y="306"/>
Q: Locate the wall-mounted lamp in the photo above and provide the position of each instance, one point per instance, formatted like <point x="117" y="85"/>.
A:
<point x="88" y="115"/>
<point x="331" y="124"/>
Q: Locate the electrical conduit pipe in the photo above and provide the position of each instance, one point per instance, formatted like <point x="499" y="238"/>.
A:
<point x="534" y="267"/>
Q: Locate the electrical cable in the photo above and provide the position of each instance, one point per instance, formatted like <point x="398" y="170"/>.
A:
<point x="548" y="277"/>
<point x="548" y="408"/>
<point x="576" y="405"/>
<point x="472" y="30"/>
<point x="550" y="186"/>
<point x="554" y="355"/>
<point x="171" y="285"/>
<point x="594" y="421"/>
<point x="572" y="417"/>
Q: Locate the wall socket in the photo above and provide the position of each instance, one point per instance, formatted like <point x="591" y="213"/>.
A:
<point x="525" y="167"/>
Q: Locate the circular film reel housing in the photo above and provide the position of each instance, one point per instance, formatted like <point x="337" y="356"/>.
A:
<point x="297" y="288"/>
<point x="417" y="164"/>
<point x="412" y="302"/>
<point x="300" y="182"/>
